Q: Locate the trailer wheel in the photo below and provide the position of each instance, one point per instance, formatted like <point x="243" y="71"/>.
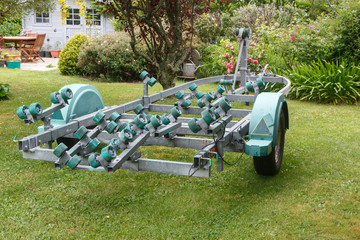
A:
<point x="270" y="165"/>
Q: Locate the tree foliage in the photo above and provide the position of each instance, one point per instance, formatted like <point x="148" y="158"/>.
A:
<point x="14" y="9"/>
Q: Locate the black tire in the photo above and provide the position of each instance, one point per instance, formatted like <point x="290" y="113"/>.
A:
<point x="270" y="165"/>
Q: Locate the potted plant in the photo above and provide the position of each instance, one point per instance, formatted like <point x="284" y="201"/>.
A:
<point x="11" y="54"/>
<point x="47" y="53"/>
<point x="55" y="52"/>
<point x="14" y="63"/>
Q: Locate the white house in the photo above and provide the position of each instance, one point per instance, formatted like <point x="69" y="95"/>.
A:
<point x="51" y="24"/>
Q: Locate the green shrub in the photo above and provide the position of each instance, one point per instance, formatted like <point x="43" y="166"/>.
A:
<point x="208" y="27"/>
<point x="110" y="56"/>
<point x="348" y="41"/>
<point x="4" y="91"/>
<point x="10" y="28"/>
<point x="325" y="82"/>
<point x="69" y="55"/>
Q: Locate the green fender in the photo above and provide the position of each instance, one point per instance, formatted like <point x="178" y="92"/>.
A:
<point x="264" y="123"/>
<point x="86" y="99"/>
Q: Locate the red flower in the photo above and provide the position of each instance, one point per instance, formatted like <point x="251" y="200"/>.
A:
<point x="249" y="59"/>
<point x="255" y="61"/>
<point x="292" y="39"/>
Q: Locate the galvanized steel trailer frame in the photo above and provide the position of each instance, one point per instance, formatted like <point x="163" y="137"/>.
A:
<point x="172" y="135"/>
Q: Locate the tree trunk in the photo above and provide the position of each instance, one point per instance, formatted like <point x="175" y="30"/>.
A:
<point x="166" y="76"/>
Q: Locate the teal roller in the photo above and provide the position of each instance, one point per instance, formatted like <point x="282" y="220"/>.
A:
<point x="180" y="94"/>
<point x="208" y="115"/>
<point x="115" y="143"/>
<point x="54" y="97"/>
<point x="139" y="108"/>
<point x="147" y="117"/>
<point x="164" y="119"/>
<point x="66" y="93"/>
<point x="99" y="116"/>
<point x="130" y="128"/>
<point x="140" y="121"/>
<point x="108" y="153"/>
<point x="125" y="136"/>
<point x="81" y="132"/>
<point x="220" y="89"/>
<point x="199" y="95"/>
<point x="186" y="104"/>
<point x="225" y="104"/>
<point x="210" y="96"/>
<point x="226" y="82"/>
<point x="156" y="121"/>
<point x="175" y="111"/>
<point x="122" y="126"/>
<point x="92" y="160"/>
<point x="249" y="87"/>
<point x="151" y="81"/>
<point x="193" y="126"/>
<point x="114" y="117"/>
<point x="93" y="144"/>
<point x="21" y="111"/>
<point x="74" y="161"/>
<point x="193" y="87"/>
<point x="260" y="82"/>
<point x="60" y="149"/>
<point x="35" y="109"/>
<point x="143" y="75"/>
<point x="111" y="127"/>
<point x="200" y="103"/>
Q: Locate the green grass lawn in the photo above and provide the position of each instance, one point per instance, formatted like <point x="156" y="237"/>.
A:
<point x="316" y="195"/>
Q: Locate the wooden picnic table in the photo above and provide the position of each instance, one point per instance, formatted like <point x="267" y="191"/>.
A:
<point x="19" y="41"/>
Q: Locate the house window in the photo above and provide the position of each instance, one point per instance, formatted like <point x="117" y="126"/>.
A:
<point x="42" y="17"/>
<point x="74" y="17"/>
<point x="92" y="17"/>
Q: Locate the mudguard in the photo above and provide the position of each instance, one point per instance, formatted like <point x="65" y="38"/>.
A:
<point x="86" y="99"/>
<point x="264" y="123"/>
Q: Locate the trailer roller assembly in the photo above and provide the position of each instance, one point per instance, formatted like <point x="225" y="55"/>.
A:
<point x="91" y="136"/>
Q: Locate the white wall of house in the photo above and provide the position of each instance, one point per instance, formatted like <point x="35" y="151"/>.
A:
<point x="57" y="32"/>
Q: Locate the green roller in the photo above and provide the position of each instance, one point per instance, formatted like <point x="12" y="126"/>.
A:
<point x="260" y="83"/>
<point x="147" y="117"/>
<point x="193" y="87"/>
<point x="21" y="111"/>
<point x="217" y="116"/>
<point x="60" y="149"/>
<point x="156" y="121"/>
<point x="130" y="128"/>
<point x="93" y="144"/>
<point x="99" y="116"/>
<point x="208" y="115"/>
<point x="186" y="104"/>
<point x="151" y="81"/>
<point x="139" y="108"/>
<point x="35" y="109"/>
<point x="199" y="95"/>
<point x="225" y="104"/>
<point x="226" y="82"/>
<point x="143" y="75"/>
<point x="125" y="136"/>
<point x="122" y="126"/>
<point x="92" y="160"/>
<point x="81" y="132"/>
<point x="111" y="127"/>
<point x="200" y="103"/>
<point x="180" y="94"/>
<point x="114" y="117"/>
<point x="210" y="96"/>
<point x="74" y="161"/>
<point x="114" y="142"/>
<point x="220" y="89"/>
<point x="193" y="126"/>
<point x="54" y="97"/>
<point x="249" y="87"/>
<point x="108" y="153"/>
<point x="140" y="121"/>
<point x="175" y="111"/>
<point x="164" y="119"/>
<point x="66" y="93"/>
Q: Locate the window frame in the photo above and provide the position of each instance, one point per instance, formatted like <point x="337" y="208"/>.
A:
<point x="72" y="19"/>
